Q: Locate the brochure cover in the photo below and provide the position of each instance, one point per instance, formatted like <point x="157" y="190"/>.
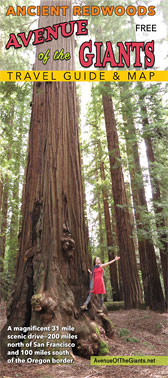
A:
<point x="83" y="188"/>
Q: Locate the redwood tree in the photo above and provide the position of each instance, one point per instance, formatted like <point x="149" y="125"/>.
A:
<point x="131" y="284"/>
<point x="156" y="195"/>
<point x="109" y="235"/>
<point x="153" y="294"/>
<point x="53" y="258"/>
<point x="5" y="187"/>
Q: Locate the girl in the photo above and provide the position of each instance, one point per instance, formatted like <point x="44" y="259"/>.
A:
<point x="97" y="283"/>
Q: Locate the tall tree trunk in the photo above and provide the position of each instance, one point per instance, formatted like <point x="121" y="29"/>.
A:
<point x="4" y="222"/>
<point x="115" y="238"/>
<point x="13" y="233"/>
<point x="53" y="257"/>
<point x="132" y="289"/>
<point x="1" y="192"/>
<point x="101" y="238"/>
<point x="15" y="211"/>
<point x="84" y="202"/>
<point x="155" y="189"/>
<point x="4" y="205"/>
<point x="1" y="198"/>
<point x="153" y="294"/>
<point x="109" y="236"/>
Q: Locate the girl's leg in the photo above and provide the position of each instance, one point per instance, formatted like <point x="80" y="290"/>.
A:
<point x="88" y="298"/>
<point x="84" y="307"/>
<point x="101" y="300"/>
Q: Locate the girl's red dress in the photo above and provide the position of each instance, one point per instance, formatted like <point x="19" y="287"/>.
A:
<point x="99" y="287"/>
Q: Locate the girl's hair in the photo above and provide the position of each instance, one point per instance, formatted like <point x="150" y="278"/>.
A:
<point x="94" y="261"/>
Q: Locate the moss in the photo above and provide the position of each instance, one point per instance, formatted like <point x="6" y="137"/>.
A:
<point x="97" y="332"/>
<point x="159" y="326"/>
<point x="147" y="316"/>
<point x="146" y="343"/>
<point x="103" y="348"/>
<point x="123" y="332"/>
<point x="111" y="323"/>
<point x="131" y="339"/>
<point x="114" y="306"/>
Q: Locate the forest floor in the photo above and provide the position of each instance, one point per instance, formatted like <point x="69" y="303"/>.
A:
<point x="136" y="333"/>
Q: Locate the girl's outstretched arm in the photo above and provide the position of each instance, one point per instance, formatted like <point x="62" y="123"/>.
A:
<point x="110" y="262"/>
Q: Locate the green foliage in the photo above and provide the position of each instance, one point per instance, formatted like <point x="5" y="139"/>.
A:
<point x="114" y="306"/>
<point x="14" y="125"/>
<point x="97" y="331"/>
<point x="103" y="348"/>
<point x="125" y="334"/>
<point x="153" y="115"/>
<point x="132" y="339"/>
<point x="159" y="326"/>
<point x="12" y="58"/>
<point x="6" y="285"/>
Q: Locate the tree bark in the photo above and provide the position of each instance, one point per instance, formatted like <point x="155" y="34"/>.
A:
<point x="109" y="236"/>
<point x="1" y="197"/>
<point x="131" y="284"/>
<point x="153" y="294"/>
<point x="4" y="223"/>
<point x="101" y="236"/>
<point x="156" y="197"/>
<point x="5" y="188"/>
<point x="15" y="211"/>
<point x="115" y="238"/>
<point x="1" y="192"/>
